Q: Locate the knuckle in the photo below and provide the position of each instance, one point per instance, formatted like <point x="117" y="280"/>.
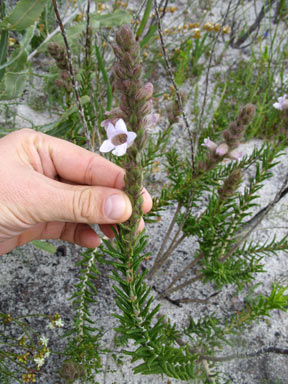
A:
<point x="26" y="131"/>
<point x="89" y="172"/>
<point x="22" y="133"/>
<point x="85" y="206"/>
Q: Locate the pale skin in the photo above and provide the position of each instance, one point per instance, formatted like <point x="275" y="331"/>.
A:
<point x="53" y="189"/>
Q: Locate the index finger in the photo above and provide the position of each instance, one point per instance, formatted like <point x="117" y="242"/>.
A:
<point x="81" y="166"/>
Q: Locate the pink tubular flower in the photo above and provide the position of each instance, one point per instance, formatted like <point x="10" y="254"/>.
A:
<point x="209" y="144"/>
<point x="150" y="120"/>
<point x="119" y="139"/>
<point x="281" y="102"/>
<point x="222" y="149"/>
<point x="235" y="155"/>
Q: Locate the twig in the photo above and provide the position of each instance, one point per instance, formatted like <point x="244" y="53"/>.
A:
<point x="138" y="13"/>
<point x="164" y="7"/>
<point x="279" y="8"/>
<point x="281" y="351"/>
<point x="72" y="78"/>
<point x="253" y="27"/>
<point x="49" y="37"/>
<point x="190" y="266"/>
<point x="207" y="371"/>
<point x="198" y="129"/>
<point x="166" y="238"/>
<point x="191" y="300"/>
<point x="174" y="243"/>
<point x="180" y="286"/>
<point x="171" y="76"/>
<point x="256" y="220"/>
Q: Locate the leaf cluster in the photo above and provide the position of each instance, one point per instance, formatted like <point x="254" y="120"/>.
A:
<point x="83" y="349"/>
<point x="139" y="321"/>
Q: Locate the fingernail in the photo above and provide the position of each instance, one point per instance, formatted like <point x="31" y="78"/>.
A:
<point x="115" y="207"/>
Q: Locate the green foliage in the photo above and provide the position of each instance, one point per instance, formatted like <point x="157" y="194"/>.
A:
<point x="20" y="346"/>
<point x="23" y="15"/>
<point x="211" y="332"/>
<point x="187" y="58"/>
<point x="83" y="350"/>
<point x="258" y="87"/>
<point x="145" y="18"/>
<point x="97" y="21"/>
<point x="105" y="77"/>
<point x="221" y="224"/>
<point x="153" y="338"/>
<point x="14" y="79"/>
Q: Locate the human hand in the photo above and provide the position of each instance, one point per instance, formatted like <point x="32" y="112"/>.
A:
<point x="53" y="189"/>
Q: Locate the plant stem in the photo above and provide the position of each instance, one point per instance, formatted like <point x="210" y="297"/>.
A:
<point x="190" y="281"/>
<point x="49" y="37"/>
<point x="171" y="76"/>
<point x="182" y="273"/>
<point x="164" y="242"/>
<point x="281" y="351"/>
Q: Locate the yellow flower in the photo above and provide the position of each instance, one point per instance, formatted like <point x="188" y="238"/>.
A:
<point x="226" y="29"/>
<point x="208" y="26"/>
<point x="11" y="41"/>
<point x="193" y="25"/>
<point x="79" y="17"/>
<point x="197" y="33"/>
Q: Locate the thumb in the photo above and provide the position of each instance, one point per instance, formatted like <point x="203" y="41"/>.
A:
<point x="58" y="201"/>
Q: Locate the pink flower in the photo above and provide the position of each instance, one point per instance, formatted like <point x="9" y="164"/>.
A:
<point x="222" y="149"/>
<point x="209" y="144"/>
<point x="150" y="120"/>
<point x="235" y="155"/>
<point x="119" y="139"/>
<point x="281" y="102"/>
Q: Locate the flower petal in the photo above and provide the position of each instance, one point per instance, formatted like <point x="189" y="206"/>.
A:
<point x="277" y="106"/>
<point x="120" y="126"/>
<point x="110" y="130"/>
<point x="222" y="149"/>
<point x="235" y="155"/>
<point x="120" y="150"/>
<point x="107" y="146"/>
<point x="131" y="136"/>
<point x="105" y="123"/>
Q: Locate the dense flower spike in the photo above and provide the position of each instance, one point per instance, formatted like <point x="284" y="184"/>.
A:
<point x="57" y="51"/>
<point x="119" y="139"/>
<point x="136" y="107"/>
<point x="232" y="137"/>
<point x="230" y="184"/>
